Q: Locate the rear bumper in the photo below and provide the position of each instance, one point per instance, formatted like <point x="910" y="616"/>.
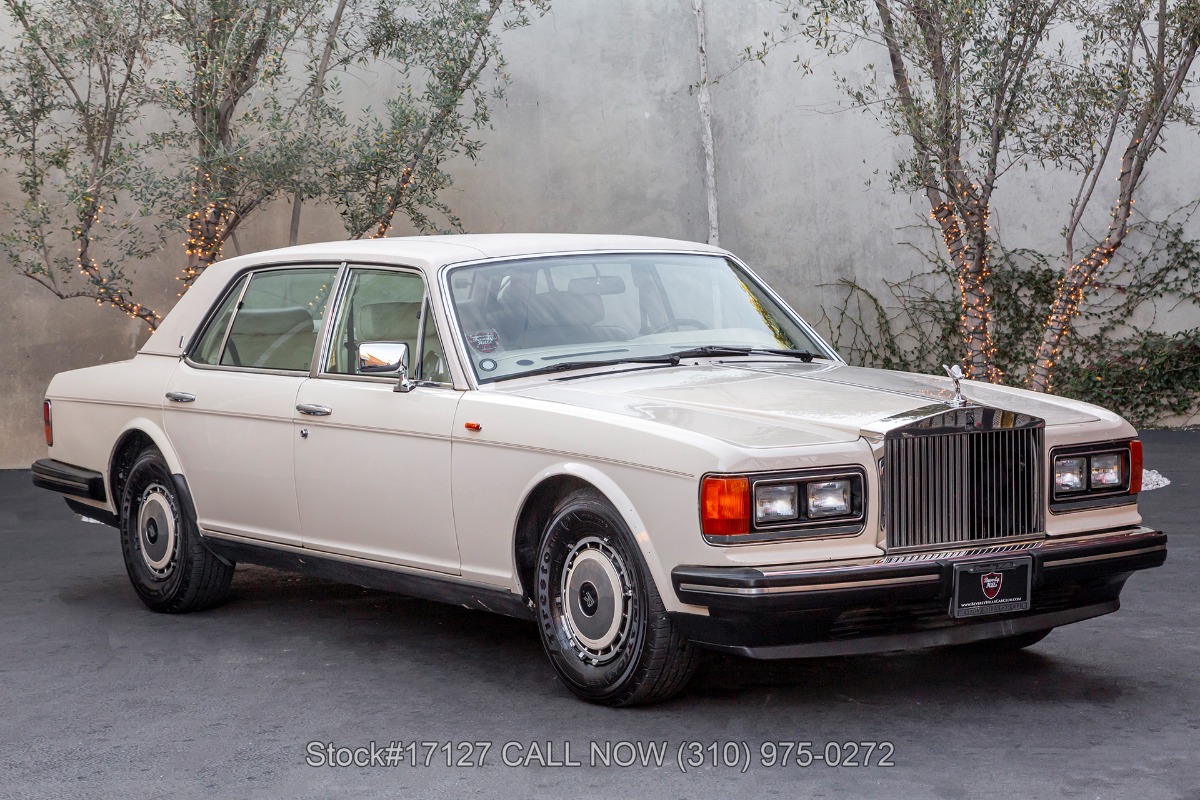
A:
<point x="69" y="479"/>
<point x="903" y="602"/>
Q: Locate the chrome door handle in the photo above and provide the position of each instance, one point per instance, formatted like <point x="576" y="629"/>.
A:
<point x="181" y="397"/>
<point x="314" y="410"/>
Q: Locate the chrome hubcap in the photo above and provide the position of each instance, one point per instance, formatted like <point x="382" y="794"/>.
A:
<point x="158" y="538"/>
<point x="594" y="595"/>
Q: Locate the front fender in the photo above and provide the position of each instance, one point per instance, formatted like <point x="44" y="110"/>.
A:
<point x="620" y="501"/>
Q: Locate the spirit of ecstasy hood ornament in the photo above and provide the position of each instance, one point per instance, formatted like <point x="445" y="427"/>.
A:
<point x="956" y="375"/>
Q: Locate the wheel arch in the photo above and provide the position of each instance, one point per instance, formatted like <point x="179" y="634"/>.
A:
<point x="135" y="437"/>
<point x="544" y="492"/>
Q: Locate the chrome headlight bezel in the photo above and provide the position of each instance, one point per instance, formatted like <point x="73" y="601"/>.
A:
<point x="1092" y="493"/>
<point x="802" y="524"/>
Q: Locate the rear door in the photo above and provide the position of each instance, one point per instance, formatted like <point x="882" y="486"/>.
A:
<point x="230" y="404"/>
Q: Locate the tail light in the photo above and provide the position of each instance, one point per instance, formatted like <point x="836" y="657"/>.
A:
<point x="48" y="419"/>
<point x="725" y="506"/>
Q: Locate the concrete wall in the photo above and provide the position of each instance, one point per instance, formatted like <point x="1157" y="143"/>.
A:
<point x="599" y="133"/>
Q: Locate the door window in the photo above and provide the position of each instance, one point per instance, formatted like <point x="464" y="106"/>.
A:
<point x="275" y="323"/>
<point x="386" y="306"/>
<point x="208" y="349"/>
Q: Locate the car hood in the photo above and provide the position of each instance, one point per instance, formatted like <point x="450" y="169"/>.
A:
<point x="782" y="403"/>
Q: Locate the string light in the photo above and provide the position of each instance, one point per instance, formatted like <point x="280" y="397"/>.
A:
<point x="1072" y="288"/>
<point x="392" y="201"/>
<point x="90" y="269"/>
<point x="975" y="317"/>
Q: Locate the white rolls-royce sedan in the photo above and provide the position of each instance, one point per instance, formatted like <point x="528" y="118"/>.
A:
<point x="631" y="441"/>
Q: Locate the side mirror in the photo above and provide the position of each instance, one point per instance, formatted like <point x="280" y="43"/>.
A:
<point x="385" y="358"/>
<point x="382" y="358"/>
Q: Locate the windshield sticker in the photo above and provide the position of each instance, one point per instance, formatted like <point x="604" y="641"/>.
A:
<point x="487" y="365"/>
<point x="485" y="341"/>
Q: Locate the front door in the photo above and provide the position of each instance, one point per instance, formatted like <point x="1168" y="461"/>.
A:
<point x="373" y="464"/>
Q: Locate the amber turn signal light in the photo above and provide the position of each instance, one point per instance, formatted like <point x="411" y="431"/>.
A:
<point x="725" y="506"/>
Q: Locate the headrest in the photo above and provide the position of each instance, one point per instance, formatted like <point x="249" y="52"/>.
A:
<point x="272" y="321"/>
<point x="388" y="322"/>
<point x="563" y="309"/>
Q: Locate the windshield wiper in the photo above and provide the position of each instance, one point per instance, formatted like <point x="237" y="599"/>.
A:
<point x="735" y="350"/>
<point x="669" y="358"/>
<point x="563" y="366"/>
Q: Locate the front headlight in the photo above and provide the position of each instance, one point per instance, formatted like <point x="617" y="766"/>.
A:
<point x="1070" y="475"/>
<point x="775" y="502"/>
<point x="1096" y="475"/>
<point x="1108" y="471"/>
<point x="822" y="501"/>
<point x="828" y="499"/>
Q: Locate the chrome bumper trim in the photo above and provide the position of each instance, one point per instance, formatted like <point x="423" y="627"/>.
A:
<point x="1105" y="556"/>
<point x="817" y="587"/>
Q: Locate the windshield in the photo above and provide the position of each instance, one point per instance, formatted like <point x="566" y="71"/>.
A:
<point x="527" y="316"/>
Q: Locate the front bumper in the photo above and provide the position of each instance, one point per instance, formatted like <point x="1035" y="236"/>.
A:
<point x="902" y="602"/>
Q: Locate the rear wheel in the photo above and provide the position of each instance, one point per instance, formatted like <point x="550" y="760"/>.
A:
<point x="168" y="565"/>
<point x="601" y="618"/>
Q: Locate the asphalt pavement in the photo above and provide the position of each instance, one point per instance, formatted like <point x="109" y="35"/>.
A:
<point x="99" y="697"/>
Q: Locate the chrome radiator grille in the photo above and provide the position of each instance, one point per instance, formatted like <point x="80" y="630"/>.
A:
<point x="966" y="475"/>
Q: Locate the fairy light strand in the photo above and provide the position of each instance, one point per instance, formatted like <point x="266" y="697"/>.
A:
<point x="975" y="316"/>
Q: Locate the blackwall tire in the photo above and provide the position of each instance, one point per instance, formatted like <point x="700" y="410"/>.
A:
<point x="168" y="565"/>
<point x="601" y="619"/>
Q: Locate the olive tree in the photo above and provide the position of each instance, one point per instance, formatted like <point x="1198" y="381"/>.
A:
<point x="138" y="121"/>
<point x="1130" y="81"/>
<point x="72" y="91"/>
<point x="981" y="88"/>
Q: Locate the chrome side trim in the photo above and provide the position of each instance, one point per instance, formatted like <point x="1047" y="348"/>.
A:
<point x="319" y="424"/>
<point x="332" y="305"/>
<point x="475" y="442"/>
<point x="237" y="306"/>
<point x="214" y="533"/>
<point x="91" y="402"/>
<point x="442" y="587"/>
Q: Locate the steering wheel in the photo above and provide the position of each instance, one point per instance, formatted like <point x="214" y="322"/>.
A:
<point x="673" y="324"/>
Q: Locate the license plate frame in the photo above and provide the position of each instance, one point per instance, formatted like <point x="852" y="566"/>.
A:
<point x="1010" y="578"/>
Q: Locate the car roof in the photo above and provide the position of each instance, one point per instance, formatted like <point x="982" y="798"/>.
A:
<point x="427" y="252"/>
<point x="451" y="248"/>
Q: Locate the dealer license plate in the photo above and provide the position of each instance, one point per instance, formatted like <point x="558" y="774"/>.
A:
<point x="992" y="587"/>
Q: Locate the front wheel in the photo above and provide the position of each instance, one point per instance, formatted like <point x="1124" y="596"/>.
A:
<point x="170" y="568"/>
<point x="601" y="618"/>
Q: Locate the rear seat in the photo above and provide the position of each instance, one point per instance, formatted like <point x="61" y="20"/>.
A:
<point x="271" y="338"/>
